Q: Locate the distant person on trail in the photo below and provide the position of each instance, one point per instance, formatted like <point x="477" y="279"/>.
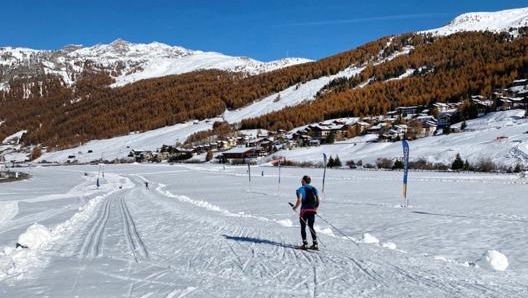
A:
<point x="146" y="185"/>
<point x="308" y="199"/>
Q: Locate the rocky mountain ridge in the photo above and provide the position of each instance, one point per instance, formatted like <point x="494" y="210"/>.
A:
<point x="125" y="62"/>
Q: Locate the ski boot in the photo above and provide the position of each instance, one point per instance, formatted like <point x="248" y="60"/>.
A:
<point x="304" y="246"/>
<point x="314" y="246"/>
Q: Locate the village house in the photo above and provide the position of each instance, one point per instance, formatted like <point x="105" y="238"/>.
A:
<point x="378" y="128"/>
<point x="516" y="87"/>
<point x="300" y="139"/>
<point x="239" y="154"/>
<point x="319" y="131"/>
<point x="343" y="131"/>
<point x="411" y="110"/>
<point x="503" y="103"/>
<point x="258" y="142"/>
<point x="360" y="127"/>
<point x="141" y="156"/>
<point x="340" y="129"/>
<point x="395" y="133"/>
<point x="483" y="104"/>
<point x="446" y="118"/>
<point x="426" y="126"/>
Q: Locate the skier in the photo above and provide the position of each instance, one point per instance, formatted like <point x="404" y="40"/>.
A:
<point x="146" y="185"/>
<point x="308" y="199"/>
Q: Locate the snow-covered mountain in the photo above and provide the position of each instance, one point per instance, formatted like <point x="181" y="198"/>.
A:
<point x="499" y="21"/>
<point x="127" y="62"/>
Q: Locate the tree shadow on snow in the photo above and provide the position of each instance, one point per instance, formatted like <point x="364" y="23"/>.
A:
<point x="259" y="241"/>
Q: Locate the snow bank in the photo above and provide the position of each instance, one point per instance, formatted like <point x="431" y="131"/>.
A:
<point x="20" y="260"/>
<point x="389" y="245"/>
<point x="493" y="259"/>
<point x="285" y="222"/>
<point x="35" y="236"/>
<point x="27" y="256"/>
<point x="369" y="239"/>
<point x="326" y="231"/>
<point x="206" y="205"/>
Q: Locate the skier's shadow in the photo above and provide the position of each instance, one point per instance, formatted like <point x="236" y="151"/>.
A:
<point x="257" y="240"/>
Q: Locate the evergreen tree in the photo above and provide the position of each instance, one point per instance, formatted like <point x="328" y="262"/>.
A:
<point x="330" y="162"/>
<point x="330" y="138"/>
<point x="458" y="163"/>
<point x="337" y="161"/>
<point x="398" y="164"/>
<point x="466" y="165"/>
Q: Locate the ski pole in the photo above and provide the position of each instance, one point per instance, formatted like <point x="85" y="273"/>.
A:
<point x="346" y="236"/>
<point x="311" y="230"/>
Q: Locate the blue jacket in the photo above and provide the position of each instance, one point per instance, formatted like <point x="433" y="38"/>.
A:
<point x="302" y="191"/>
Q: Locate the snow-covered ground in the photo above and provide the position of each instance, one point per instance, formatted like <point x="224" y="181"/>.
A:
<point x="209" y="231"/>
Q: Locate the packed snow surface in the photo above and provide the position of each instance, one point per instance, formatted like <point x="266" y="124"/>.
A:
<point x="206" y="230"/>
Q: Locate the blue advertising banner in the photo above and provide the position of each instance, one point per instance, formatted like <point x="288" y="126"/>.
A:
<point x="405" y="170"/>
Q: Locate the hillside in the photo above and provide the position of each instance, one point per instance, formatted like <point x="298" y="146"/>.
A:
<point x="436" y="69"/>
<point x="499" y="137"/>
<point x="393" y="71"/>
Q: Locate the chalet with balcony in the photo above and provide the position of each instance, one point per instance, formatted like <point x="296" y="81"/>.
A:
<point x="239" y="154"/>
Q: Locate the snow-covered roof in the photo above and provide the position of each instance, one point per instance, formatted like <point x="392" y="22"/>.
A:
<point x="239" y="149"/>
<point x="14" y="138"/>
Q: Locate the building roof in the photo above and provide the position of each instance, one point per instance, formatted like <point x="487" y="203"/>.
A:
<point x="239" y="150"/>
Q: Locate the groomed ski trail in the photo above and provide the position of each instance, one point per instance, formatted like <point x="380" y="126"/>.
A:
<point x="157" y="243"/>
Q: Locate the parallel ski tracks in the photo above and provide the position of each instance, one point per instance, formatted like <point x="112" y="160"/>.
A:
<point x="92" y="246"/>
<point x="135" y="243"/>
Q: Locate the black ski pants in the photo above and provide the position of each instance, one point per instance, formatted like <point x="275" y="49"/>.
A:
<point x="308" y="218"/>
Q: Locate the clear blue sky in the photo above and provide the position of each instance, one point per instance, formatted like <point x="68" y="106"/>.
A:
<point x="264" y="30"/>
